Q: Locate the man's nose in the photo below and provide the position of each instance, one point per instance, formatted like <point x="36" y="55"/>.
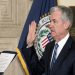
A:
<point x="51" y="24"/>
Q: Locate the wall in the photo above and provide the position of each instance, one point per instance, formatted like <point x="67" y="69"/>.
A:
<point x="13" y="14"/>
<point x="66" y="2"/>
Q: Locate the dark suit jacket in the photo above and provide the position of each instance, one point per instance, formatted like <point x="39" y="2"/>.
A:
<point x="64" y="65"/>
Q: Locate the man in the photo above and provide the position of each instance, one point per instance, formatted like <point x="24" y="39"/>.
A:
<point x="63" y="63"/>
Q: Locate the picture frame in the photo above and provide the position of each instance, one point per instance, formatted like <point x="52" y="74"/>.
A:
<point x="72" y="31"/>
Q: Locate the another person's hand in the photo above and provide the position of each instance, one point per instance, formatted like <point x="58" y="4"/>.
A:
<point x="31" y="34"/>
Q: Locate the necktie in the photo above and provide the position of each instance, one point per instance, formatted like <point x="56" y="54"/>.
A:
<point x="54" y="56"/>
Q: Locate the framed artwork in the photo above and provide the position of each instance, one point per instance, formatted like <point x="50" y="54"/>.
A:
<point x="73" y="26"/>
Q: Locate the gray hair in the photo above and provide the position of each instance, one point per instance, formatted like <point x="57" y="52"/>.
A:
<point x="67" y="13"/>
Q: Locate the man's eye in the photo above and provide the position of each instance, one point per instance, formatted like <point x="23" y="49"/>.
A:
<point x="50" y="21"/>
<point x="54" y="21"/>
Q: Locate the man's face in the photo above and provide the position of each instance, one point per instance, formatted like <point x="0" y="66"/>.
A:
<point x="57" y="25"/>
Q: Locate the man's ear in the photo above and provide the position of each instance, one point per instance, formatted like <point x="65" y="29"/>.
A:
<point x="67" y="25"/>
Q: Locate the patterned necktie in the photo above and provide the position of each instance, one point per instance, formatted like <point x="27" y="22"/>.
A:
<point x="54" y="55"/>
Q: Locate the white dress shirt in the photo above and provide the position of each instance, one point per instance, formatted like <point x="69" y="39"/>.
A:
<point x="61" y="44"/>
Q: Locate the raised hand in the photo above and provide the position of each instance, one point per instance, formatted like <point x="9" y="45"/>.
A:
<point x="31" y="34"/>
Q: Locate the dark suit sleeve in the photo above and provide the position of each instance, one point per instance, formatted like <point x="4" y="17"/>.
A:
<point x="74" y="68"/>
<point x="36" y="66"/>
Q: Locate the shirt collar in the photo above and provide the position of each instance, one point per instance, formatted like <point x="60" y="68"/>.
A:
<point x="63" y="41"/>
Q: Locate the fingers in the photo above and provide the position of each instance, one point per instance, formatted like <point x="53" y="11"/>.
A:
<point x="33" y="26"/>
<point x="31" y="34"/>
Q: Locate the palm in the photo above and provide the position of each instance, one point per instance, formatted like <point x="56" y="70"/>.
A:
<point x="31" y="34"/>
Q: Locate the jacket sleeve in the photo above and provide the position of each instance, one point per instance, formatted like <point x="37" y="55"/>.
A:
<point x="36" y="65"/>
<point x="74" y="68"/>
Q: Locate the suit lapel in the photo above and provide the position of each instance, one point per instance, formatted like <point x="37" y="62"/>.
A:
<point x="63" y="54"/>
<point x="49" y="52"/>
